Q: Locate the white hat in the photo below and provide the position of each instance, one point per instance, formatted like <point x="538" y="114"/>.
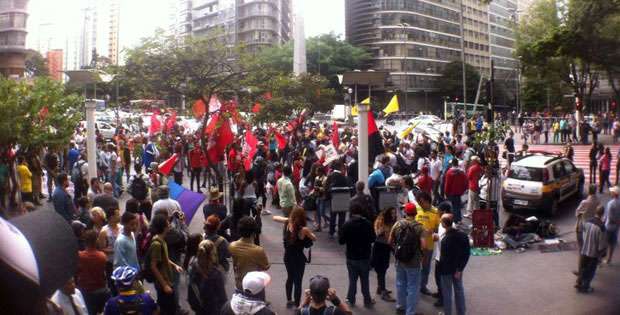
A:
<point x="255" y="282"/>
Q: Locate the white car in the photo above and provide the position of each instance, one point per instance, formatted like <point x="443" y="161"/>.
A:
<point x="106" y="130"/>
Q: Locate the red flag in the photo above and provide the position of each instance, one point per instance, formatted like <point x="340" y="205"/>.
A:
<point x="155" y="126"/>
<point x="225" y="137"/>
<point x="249" y="149"/>
<point x="280" y="139"/>
<point x="256" y="108"/>
<point x="171" y="121"/>
<point x="335" y="137"/>
<point x="212" y="124"/>
<point x="166" y="166"/>
<point x="199" y="108"/>
<point x="375" y="143"/>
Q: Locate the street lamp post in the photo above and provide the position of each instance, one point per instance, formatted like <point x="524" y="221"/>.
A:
<point x="404" y="61"/>
<point x="463" y="58"/>
<point x="91" y="144"/>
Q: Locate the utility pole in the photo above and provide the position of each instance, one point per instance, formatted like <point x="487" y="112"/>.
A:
<point x="463" y="59"/>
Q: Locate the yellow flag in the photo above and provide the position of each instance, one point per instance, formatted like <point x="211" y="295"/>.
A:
<point x="366" y="101"/>
<point x="406" y="132"/>
<point x="392" y="106"/>
<point x="354" y="111"/>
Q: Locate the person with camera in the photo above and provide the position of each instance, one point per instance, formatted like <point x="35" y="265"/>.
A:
<point x="316" y="297"/>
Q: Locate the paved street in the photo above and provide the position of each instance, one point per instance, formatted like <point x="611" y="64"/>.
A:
<point x="512" y="283"/>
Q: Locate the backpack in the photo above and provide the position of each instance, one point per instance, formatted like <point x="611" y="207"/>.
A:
<point x="138" y="188"/>
<point x="76" y="172"/>
<point x="147" y="274"/>
<point x="407" y="243"/>
<point x="329" y="310"/>
<point x="133" y="307"/>
<point x="193" y="291"/>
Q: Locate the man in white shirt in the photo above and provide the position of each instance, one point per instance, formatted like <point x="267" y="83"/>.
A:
<point x="70" y="300"/>
<point x="165" y="203"/>
<point x="445" y="208"/>
<point x="435" y="172"/>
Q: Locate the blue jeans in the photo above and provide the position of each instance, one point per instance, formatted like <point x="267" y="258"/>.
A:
<point x="426" y="267"/>
<point x="358" y="269"/>
<point x="321" y="210"/>
<point x="407" y="288"/>
<point x="457" y="205"/>
<point x="448" y="282"/>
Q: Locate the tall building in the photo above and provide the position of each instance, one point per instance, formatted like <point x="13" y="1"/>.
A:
<point x="415" y="39"/>
<point x="55" y="64"/>
<point x="13" y="17"/>
<point x="255" y="23"/>
<point x="113" y="42"/>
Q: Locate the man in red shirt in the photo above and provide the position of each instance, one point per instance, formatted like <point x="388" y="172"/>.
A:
<point x="474" y="173"/>
<point x="90" y="275"/>
<point x="425" y="182"/>
<point x="195" y="164"/>
<point x="455" y="185"/>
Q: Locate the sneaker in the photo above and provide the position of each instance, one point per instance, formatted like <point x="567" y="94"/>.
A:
<point x="467" y="215"/>
<point x="425" y="291"/>
<point x="387" y="297"/>
<point x="370" y="303"/>
<point x="350" y="303"/>
<point x="436" y="295"/>
<point x="266" y="212"/>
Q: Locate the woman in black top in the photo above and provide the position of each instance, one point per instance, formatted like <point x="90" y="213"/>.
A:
<point x="206" y="293"/>
<point x="296" y="237"/>
<point x="381" y="250"/>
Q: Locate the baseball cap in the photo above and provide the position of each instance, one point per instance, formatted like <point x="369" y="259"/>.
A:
<point x="319" y="285"/>
<point x="255" y="282"/>
<point x="38" y="255"/>
<point x="410" y="208"/>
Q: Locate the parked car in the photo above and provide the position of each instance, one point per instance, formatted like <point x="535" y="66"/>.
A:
<point x="541" y="181"/>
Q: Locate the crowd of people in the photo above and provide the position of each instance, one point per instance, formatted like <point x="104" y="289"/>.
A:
<point x="150" y="242"/>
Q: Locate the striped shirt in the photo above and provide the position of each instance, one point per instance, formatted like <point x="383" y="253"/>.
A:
<point x="593" y="239"/>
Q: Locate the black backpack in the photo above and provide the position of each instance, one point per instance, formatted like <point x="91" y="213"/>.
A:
<point x="407" y="243"/>
<point x="138" y="188"/>
<point x="329" y="310"/>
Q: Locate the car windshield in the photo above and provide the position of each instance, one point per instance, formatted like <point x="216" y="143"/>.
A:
<point x="526" y="173"/>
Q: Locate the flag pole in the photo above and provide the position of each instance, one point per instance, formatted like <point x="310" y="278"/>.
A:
<point x="362" y="131"/>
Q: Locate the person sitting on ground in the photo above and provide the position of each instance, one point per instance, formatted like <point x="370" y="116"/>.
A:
<point x="128" y="301"/>
<point x="315" y="299"/>
<point x="250" y="299"/>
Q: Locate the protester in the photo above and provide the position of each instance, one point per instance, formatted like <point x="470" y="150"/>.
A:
<point x="336" y="180"/>
<point x="125" y="250"/>
<point x="296" y="237"/>
<point x="286" y="191"/>
<point x="455" y="186"/>
<point x="428" y="216"/>
<point x="246" y="255"/>
<point x="250" y="298"/>
<point x="91" y="276"/>
<point x="611" y="219"/>
<point x="51" y="164"/>
<point x="605" y="168"/>
<point x="25" y="179"/>
<point x="129" y="300"/>
<point x="593" y="249"/>
<point x="316" y="297"/>
<point x="212" y="227"/>
<point x="364" y="201"/>
<point x="454" y="256"/>
<point x="63" y="204"/>
<point x="206" y="292"/>
<point x="161" y="266"/>
<point x="107" y="238"/>
<point x="382" y="250"/>
<point x="70" y="300"/>
<point x="474" y="173"/>
<point x="408" y="238"/>
<point x="358" y="235"/>
<point x="165" y="203"/>
<point x="106" y="200"/>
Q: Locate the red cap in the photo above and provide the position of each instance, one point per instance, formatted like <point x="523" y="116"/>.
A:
<point x="410" y="209"/>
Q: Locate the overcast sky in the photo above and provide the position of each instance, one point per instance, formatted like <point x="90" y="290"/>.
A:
<point x="141" y="17"/>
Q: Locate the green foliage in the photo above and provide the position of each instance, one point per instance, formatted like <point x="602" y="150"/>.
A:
<point x="22" y="121"/>
<point x="569" y="44"/>
<point x="327" y="55"/>
<point x="36" y="65"/>
<point x="451" y="81"/>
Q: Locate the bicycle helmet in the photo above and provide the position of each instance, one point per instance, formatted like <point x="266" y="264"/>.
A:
<point x="124" y="275"/>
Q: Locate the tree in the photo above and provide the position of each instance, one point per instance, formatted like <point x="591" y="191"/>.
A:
<point x="571" y="40"/>
<point x="327" y="55"/>
<point x="36" y="65"/>
<point x="451" y="81"/>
